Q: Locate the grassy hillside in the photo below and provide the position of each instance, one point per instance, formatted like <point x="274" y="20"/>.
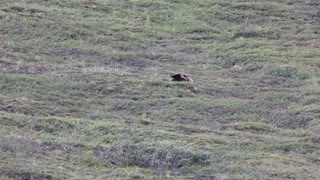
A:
<point x="85" y="89"/>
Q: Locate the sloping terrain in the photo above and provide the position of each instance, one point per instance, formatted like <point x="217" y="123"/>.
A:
<point x="85" y="89"/>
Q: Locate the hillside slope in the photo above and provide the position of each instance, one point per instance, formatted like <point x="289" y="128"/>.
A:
<point x="85" y="89"/>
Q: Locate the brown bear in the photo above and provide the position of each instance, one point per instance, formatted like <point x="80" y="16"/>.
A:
<point x="181" y="77"/>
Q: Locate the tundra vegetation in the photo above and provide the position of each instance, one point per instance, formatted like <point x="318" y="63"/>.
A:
<point x="86" y="93"/>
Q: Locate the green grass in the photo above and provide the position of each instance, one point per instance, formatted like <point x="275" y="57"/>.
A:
<point x="85" y="89"/>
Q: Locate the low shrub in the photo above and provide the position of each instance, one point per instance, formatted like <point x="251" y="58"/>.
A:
<point x="289" y="72"/>
<point x="160" y="158"/>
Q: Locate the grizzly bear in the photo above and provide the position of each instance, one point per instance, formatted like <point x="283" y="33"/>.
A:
<point x="181" y="77"/>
